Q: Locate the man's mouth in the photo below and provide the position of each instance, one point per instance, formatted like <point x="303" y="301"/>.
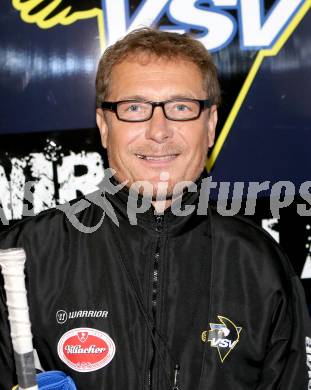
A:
<point x="166" y="157"/>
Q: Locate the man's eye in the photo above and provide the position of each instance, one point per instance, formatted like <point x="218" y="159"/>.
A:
<point x="133" y="108"/>
<point x="181" y="107"/>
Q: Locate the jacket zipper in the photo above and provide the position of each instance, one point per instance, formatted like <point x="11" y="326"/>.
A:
<point x="155" y="284"/>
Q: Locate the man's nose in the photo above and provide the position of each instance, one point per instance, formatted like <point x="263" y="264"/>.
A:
<point x="159" y="128"/>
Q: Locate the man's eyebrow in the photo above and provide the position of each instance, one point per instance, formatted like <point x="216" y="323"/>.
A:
<point x="182" y="96"/>
<point x="133" y="97"/>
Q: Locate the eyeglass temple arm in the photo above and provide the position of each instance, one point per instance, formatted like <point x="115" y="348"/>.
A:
<point x="112" y="106"/>
<point x="207" y="103"/>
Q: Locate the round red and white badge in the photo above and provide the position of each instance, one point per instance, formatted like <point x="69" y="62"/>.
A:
<point x="86" y="349"/>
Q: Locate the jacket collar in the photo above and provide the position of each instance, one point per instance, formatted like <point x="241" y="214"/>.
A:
<point x="170" y="223"/>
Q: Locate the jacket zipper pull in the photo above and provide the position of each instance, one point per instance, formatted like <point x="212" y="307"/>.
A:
<point x="159" y="223"/>
<point x="176" y="377"/>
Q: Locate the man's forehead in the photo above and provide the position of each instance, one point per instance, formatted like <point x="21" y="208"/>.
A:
<point x="133" y="74"/>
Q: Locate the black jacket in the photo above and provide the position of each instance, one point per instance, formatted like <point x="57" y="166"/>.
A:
<point x="121" y="307"/>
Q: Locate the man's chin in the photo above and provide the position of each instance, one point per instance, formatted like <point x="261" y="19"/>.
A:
<point x="164" y="194"/>
<point x="155" y="195"/>
<point x="151" y="189"/>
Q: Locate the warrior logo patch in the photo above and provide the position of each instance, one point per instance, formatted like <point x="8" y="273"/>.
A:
<point x="223" y="336"/>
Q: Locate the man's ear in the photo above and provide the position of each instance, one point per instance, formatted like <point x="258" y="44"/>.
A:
<point x="102" y="125"/>
<point x="212" y="122"/>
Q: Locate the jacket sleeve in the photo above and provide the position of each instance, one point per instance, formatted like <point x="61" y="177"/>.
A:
<point x="7" y="365"/>
<point x="287" y="364"/>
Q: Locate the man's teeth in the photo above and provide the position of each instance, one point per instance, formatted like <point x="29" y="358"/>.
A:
<point x="169" y="157"/>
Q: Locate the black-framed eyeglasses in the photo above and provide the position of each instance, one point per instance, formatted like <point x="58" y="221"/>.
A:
<point x="141" y="111"/>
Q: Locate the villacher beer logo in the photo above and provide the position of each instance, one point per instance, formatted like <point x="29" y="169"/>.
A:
<point x="86" y="349"/>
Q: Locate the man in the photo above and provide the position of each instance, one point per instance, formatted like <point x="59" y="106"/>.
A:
<point x="188" y="301"/>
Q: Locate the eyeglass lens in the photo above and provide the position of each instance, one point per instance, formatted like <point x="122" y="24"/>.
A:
<point x="175" y="110"/>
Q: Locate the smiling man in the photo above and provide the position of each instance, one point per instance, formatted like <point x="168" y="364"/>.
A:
<point x="191" y="302"/>
<point x="160" y="119"/>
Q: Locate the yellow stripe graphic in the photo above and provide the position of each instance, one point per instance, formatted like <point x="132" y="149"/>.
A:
<point x="101" y="31"/>
<point x="250" y="79"/>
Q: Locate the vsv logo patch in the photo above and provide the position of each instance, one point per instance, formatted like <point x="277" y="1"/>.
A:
<point x="223" y="336"/>
<point x="256" y="28"/>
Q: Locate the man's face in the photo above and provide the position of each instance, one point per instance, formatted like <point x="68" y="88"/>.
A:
<point x="141" y="151"/>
